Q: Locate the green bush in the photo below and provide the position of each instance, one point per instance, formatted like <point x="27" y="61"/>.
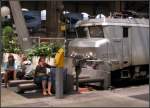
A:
<point x="44" y="49"/>
<point x="54" y="48"/>
<point x="10" y="44"/>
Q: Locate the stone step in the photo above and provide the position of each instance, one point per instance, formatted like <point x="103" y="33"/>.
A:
<point x="14" y="83"/>
<point x="26" y="87"/>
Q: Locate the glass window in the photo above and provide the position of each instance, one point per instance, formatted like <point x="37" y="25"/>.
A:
<point x="125" y="32"/>
<point x="96" y="31"/>
<point x="81" y="32"/>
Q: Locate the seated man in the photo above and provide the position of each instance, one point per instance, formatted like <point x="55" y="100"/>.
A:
<point x="27" y="68"/>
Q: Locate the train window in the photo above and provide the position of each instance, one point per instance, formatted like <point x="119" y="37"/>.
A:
<point x="125" y="32"/>
<point x="81" y="32"/>
<point x="96" y="31"/>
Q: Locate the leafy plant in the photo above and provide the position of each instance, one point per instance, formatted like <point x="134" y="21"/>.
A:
<point x="10" y="44"/>
<point x="54" y="48"/>
<point x="44" y="49"/>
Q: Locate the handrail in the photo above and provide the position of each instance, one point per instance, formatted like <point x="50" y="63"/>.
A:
<point x="39" y="39"/>
<point x="45" y="38"/>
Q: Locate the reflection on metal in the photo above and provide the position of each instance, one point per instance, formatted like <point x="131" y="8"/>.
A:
<point x="92" y="42"/>
<point x="114" y="22"/>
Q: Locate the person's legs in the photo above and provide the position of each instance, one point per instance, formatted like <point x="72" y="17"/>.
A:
<point x="14" y="75"/>
<point x="44" y="87"/>
<point x="44" y="81"/>
<point x="9" y="75"/>
<point x="6" y="79"/>
<point x="49" y="88"/>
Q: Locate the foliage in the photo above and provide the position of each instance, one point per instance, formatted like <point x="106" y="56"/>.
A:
<point x="10" y="44"/>
<point x="40" y="50"/>
<point x="54" y="48"/>
<point x="44" y="49"/>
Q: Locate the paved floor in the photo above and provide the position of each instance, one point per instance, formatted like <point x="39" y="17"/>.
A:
<point x="123" y="97"/>
<point x="8" y="98"/>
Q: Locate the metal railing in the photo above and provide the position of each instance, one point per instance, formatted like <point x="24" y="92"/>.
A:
<point x="38" y="40"/>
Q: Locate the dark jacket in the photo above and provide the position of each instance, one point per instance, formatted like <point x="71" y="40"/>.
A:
<point x="41" y="70"/>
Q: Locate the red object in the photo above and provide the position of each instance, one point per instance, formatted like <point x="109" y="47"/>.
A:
<point x="82" y="90"/>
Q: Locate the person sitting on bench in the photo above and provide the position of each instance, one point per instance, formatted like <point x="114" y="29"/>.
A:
<point x="10" y="70"/>
<point x="27" y="68"/>
<point x="41" y="75"/>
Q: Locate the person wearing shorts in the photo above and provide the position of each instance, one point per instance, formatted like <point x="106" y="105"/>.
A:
<point x="10" y="68"/>
<point x="41" y="76"/>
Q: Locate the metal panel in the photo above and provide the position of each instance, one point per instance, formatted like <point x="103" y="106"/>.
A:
<point x="115" y="49"/>
<point x="88" y="43"/>
<point x="140" y="45"/>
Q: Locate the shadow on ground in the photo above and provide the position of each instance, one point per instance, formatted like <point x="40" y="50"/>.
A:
<point x="30" y="94"/>
<point x="144" y="97"/>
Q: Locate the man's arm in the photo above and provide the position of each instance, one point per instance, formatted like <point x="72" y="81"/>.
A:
<point x="49" y="66"/>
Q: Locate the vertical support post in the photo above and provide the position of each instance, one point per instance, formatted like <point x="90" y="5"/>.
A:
<point x="119" y="6"/>
<point x="51" y="19"/>
<point x="59" y="62"/>
<point x="59" y="83"/>
<point x="107" y="76"/>
<point x="1" y="46"/>
<point x="54" y="9"/>
<point x="39" y="41"/>
<point x="77" y="82"/>
<point x="78" y="70"/>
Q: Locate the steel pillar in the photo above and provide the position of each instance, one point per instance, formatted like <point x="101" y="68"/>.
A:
<point x="59" y="83"/>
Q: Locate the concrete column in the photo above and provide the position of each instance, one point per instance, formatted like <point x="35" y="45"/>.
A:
<point x="1" y="53"/>
<point x="107" y="76"/>
<point x="60" y="8"/>
<point x="119" y="6"/>
<point x="59" y="83"/>
<point x="54" y="9"/>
